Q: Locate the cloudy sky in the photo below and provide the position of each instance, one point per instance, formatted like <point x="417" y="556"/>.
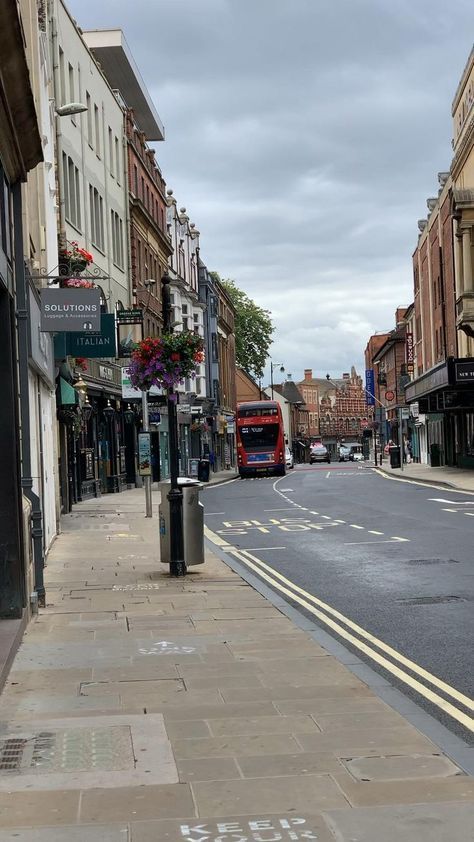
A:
<point x="303" y="137"/>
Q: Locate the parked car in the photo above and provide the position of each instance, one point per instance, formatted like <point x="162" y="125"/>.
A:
<point x="319" y="453"/>
<point x="344" y="453"/>
<point x="289" y="458"/>
<point x="357" y="456"/>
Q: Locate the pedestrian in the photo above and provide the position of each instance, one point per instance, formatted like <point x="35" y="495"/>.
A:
<point x="409" y="452"/>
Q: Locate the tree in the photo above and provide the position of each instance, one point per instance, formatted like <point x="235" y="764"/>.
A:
<point x="253" y="329"/>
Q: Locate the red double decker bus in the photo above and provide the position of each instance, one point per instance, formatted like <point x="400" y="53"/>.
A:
<point x="260" y="438"/>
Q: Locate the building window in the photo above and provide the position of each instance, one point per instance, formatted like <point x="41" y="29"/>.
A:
<point x="117" y="160"/>
<point x="135" y="180"/>
<point x="117" y="239"/>
<point x="72" y="97"/>
<point x="111" y="153"/>
<point x="72" y="198"/>
<point x="97" y="130"/>
<point x="96" y="205"/>
<point x="89" y="118"/>
<point x="147" y="203"/>
<point x="5" y="216"/>
<point x="62" y="78"/>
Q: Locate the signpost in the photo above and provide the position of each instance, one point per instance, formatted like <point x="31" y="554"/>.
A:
<point x="76" y="310"/>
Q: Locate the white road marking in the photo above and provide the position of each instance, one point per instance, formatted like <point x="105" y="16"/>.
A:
<point x="335" y="520"/>
<point x="214" y="513"/>
<point x="254" y="549"/>
<point x="286" y="489"/>
<point x="396" y="538"/>
<point x="354" y="526"/>
<point x="287" y="509"/>
<point x="326" y="517"/>
<point x="328" y="474"/>
<point x="469" y="514"/>
<point x="449" y="510"/>
<point x="314" y="513"/>
<point x="451" y="502"/>
<point x="374" y="532"/>
<point x="359" y="543"/>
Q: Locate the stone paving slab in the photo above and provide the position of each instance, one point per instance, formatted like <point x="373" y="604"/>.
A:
<point x="144" y="802"/>
<point x="419" y="823"/>
<point x="71" y="833"/>
<point x="290" y="794"/>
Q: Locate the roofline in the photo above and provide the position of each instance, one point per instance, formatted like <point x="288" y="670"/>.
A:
<point x="462" y="82"/>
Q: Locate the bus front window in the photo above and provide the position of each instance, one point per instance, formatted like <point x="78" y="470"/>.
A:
<point x="256" y="437"/>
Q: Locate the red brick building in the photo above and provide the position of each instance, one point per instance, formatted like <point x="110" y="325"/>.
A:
<point x="336" y="408"/>
<point x="150" y="244"/>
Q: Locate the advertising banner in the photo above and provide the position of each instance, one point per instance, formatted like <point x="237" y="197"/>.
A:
<point x="76" y="310"/>
<point x="144" y="454"/>
<point x="369" y="387"/>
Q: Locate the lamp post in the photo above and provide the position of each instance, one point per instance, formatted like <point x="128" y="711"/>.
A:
<point x="175" y="494"/>
<point x="273" y="366"/>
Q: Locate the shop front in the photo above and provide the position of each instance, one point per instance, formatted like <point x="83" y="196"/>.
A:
<point x="444" y="398"/>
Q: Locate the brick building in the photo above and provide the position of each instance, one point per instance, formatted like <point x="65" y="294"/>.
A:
<point x="150" y="244"/>
<point x="336" y="409"/>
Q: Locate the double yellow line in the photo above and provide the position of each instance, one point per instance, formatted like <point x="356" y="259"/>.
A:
<point x="348" y="630"/>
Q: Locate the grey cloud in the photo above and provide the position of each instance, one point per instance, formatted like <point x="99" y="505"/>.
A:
<point x="303" y="136"/>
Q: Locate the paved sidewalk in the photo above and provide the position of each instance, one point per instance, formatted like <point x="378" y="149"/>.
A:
<point x="461" y="478"/>
<point x="147" y="709"/>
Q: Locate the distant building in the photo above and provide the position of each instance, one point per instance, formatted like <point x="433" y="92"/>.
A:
<point x="247" y="389"/>
<point x="336" y="407"/>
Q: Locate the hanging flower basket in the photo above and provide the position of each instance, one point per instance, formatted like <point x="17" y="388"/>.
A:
<point x="74" y="260"/>
<point x="166" y="361"/>
<point x="76" y="283"/>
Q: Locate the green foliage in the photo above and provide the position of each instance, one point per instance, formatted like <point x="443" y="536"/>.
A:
<point x="253" y="329"/>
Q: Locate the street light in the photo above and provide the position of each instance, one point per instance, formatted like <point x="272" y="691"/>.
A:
<point x="70" y="109"/>
<point x="175" y="494"/>
<point x="272" y="367"/>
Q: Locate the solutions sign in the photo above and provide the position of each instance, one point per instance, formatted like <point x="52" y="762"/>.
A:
<point x="70" y="310"/>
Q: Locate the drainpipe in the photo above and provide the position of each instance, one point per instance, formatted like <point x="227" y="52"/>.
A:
<point x="22" y="292"/>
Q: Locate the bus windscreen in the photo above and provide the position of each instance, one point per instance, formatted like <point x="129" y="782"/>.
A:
<point x="264" y="436"/>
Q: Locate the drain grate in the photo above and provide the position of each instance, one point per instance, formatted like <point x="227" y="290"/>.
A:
<point x="432" y="561"/>
<point x="72" y="750"/>
<point x="430" y="600"/>
<point x="11" y="753"/>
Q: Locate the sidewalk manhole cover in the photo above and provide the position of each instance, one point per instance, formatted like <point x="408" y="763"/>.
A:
<point x="430" y="600"/>
<point x="73" y="750"/>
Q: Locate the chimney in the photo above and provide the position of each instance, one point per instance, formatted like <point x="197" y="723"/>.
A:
<point x="308" y="374"/>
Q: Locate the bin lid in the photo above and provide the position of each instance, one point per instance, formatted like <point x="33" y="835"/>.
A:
<point x="184" y="481"/>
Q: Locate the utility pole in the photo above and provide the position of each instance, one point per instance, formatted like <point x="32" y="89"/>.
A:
<point x="147" y="480"/>
<point x="175" y="494"/>
<point x="400" y="435"/>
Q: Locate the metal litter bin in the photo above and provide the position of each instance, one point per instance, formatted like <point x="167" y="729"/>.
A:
<point x="394" y="452"/>
<point x="204" y="468"/>
<point x="193" y="522"/>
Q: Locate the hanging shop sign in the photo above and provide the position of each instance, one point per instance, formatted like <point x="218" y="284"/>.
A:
<point x="410" y="352"/>
<point x="370" y="387"/>
<point x="70" y="310"/>
<point x="389" y="396"/>
<point x="130" y="317"/>
<point x="89" y="345"/>
<point x="40" y="347"/>
<point x="129" y="330"/>
<point x="144" y="454"/>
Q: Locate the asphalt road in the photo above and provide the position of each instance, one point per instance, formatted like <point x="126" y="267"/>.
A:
<point x="395" y="558"/>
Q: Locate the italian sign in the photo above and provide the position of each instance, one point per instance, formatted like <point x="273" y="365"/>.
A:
<point x="94" y="345"/>
<point x="144" y="454"/>
<point x="70" y="310"/>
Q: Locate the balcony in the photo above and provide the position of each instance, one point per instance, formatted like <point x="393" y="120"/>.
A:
<point x="465" y="313"/>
